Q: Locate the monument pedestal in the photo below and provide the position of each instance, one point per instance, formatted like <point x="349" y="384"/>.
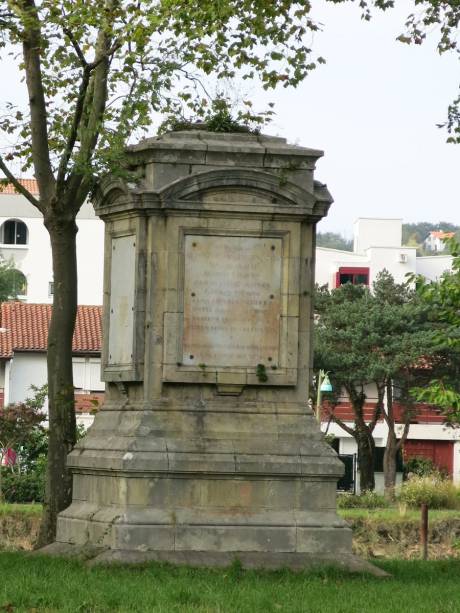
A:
<point x="205" y="449"/>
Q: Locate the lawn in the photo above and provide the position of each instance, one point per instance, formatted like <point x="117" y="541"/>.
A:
<point x="33" y="583"/>
<point x="30" y="510"/>
<point x="393" y="514"/>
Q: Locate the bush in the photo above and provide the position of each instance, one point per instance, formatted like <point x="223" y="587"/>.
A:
<point x="25" y="486"/>
<point x="365" y="500"/>
<point x="433" y="490"/>
<point x="420" y="466"/>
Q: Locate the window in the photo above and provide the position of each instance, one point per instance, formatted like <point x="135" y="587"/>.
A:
<point x="356" y="276"/>
<point x="51" y="288"/>
<point x="14" y="232"/>
<point x="18" y="283"/>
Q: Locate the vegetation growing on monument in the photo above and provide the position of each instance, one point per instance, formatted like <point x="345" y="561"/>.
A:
<point x="383" y="338"/>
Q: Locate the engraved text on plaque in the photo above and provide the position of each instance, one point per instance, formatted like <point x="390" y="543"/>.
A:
<point x="232" y="298"/>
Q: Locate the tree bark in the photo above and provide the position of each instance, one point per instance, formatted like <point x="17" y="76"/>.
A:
<point x="389" y="465"/>
<point x="62" y="424"/>
<point x="366" y="446"/>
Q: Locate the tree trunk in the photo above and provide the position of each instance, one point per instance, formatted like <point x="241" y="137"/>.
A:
<point x="62" y="423"/>
<point x="389" y="465"/>
<point x="366" y="445"/>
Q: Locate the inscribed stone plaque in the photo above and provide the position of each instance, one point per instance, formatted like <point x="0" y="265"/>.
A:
<point x="122" y="285"/>
<point x="232" y="298"/>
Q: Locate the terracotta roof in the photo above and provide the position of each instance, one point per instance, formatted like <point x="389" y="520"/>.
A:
<point x="89" y="403"/>
<point x="24" y="327"/>
<point x="29" y="184"/>
<point x="440" y="234"/>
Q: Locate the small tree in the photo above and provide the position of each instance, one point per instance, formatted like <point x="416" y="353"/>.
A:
<point x="374" y="338"/>
<point x="19" y="425"/>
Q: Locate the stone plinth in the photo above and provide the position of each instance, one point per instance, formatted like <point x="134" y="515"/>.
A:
<point x="205" y="449"/>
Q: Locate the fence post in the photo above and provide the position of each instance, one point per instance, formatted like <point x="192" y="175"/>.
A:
<point x="424" y="531"/>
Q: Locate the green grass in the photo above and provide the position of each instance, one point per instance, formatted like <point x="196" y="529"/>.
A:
<point x="34" y="583"/>
<point x="394" y="515"/>
<point x="22" y="509"/>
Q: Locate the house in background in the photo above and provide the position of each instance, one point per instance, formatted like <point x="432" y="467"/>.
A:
<point x="435" y="240"/>
<point x="378" y="245"/>
<point x="23" y="342"/>
<point x="25" y="240"/>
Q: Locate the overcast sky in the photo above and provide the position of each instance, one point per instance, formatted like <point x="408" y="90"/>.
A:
<point x="373" y="109"/>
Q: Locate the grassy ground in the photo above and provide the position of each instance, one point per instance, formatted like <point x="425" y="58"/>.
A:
<point x="393" y="514"/>
<point x="21" y="509"/>
<point x="33" y="583"/>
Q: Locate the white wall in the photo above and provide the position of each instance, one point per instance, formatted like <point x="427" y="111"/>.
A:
<point x="34" y="259"/>
<point x="433" y="266"/>
<point x="29" y="368"/>
<point x="376" y="232"/>
<point x="391" y="258"/>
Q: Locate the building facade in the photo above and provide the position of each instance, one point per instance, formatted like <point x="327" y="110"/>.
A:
<point x="25" y="240"/>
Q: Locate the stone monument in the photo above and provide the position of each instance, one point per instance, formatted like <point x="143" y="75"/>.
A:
<point x="205" y="449"/>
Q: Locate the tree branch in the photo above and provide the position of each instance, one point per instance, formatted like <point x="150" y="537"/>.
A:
<point x="94" y="108"/>
<point x="75" y="127"/>
<point x="340" y="423"/>
<point x="76" y="46"/>
<point x="378" y="408"/>
<point x="38" y="112"/>
<point x="404" y="436"/>
<point x="19" y="187"/>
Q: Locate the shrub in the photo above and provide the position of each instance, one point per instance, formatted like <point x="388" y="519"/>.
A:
<point x="433" y="490"/>
<point x="420" y="466"/>
<point x="365" y="500"/>
<point x="24" y="486"/>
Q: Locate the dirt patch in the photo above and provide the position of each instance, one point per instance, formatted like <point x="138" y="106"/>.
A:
<point x="401" y="539"/>
<point x="18" y="531"/>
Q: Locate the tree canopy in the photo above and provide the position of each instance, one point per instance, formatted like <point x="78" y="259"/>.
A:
<point x="380" y="339"/>
<point x="443" y="298"/>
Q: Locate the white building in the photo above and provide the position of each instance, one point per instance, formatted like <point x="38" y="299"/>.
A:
<point x="25" y="240"/>
<point x="377" y="245"/>
<point x="435" y="240"/>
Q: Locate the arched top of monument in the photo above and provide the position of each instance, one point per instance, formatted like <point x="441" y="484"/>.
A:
<point x="236" y="173"/>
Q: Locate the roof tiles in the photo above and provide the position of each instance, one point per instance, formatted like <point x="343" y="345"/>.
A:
<point x="30" y="184"/>
<point x="24" y="327"/>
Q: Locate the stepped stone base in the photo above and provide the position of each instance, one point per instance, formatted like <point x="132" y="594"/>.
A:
<point x="249" y="560"/>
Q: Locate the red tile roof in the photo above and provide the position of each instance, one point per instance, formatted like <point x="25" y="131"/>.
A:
<point x="24" y="327"/>
<point x="30" y="184"/>
<point x="440" y="234"/>
<point x="89" y="403"/>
